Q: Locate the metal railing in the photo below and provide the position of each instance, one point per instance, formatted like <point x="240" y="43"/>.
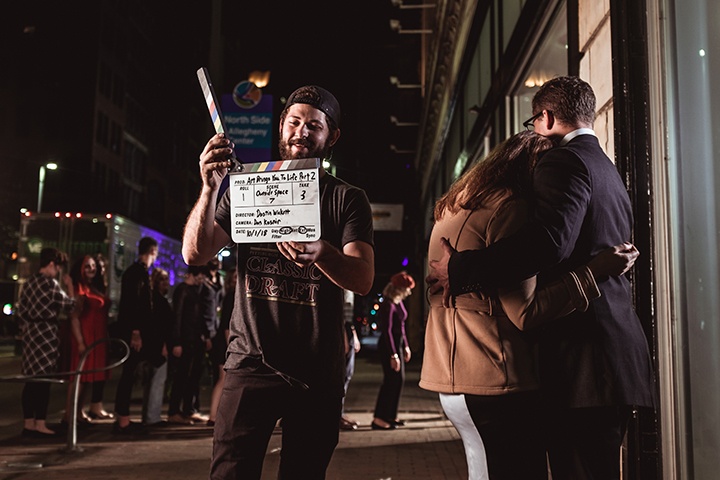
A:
<point x="72" y="445"/>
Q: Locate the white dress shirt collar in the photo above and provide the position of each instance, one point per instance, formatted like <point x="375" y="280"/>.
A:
<point x="575" y="133"/>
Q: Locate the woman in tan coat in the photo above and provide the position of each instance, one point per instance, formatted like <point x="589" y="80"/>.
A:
<point x="476" y="354"/>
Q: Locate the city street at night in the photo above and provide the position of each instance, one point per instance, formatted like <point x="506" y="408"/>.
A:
<point x="427" y="447"/>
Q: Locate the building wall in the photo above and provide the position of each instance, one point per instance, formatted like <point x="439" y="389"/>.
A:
<point x="596" y="64"/>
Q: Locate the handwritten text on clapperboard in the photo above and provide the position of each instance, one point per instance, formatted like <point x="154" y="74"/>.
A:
<point x="276" y="202"/>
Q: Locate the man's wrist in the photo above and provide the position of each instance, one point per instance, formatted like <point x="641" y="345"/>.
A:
<point x="209" y="190"/>
<point x="395" y="356"/>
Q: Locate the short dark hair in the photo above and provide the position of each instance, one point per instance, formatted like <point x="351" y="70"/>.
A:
<point x="52" y="255"/>
<point x="570" y="99"/>
<point x="146" y="244"/>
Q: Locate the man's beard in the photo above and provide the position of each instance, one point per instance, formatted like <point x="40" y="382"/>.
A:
<point x="314" y="151"/>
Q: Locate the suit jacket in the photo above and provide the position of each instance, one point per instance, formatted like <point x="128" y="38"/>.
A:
<point x="599" y="357"/>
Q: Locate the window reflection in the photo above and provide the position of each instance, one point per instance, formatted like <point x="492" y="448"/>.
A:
<point x="549" y="61"/>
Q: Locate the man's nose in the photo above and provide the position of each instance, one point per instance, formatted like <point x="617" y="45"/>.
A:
<point x="302" y="131"/>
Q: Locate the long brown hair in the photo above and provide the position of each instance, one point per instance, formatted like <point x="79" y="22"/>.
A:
<point x="509" y="165"/>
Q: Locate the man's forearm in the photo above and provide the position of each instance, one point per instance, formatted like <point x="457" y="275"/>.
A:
<point x="198" y="236"/>
<point x="351" y="272"/>
<point x="504" y="263"/>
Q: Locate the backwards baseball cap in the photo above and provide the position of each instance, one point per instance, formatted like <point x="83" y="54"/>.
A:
<point x="316" y="97"/>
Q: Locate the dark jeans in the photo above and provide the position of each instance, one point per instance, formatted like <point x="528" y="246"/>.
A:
<point x="188" y="370"/>
<point x="251" y="403"/>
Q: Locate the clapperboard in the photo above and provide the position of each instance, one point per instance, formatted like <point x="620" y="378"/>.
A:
<point x="276" y="201"/>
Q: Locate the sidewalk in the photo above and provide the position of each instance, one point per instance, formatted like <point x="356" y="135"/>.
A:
<point x="428" y="447"/>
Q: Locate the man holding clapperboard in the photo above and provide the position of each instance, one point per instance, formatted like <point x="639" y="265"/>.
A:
<point x="285" y="355"/>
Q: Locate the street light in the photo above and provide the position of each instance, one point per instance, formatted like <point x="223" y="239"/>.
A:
<point x="41" y="182"/>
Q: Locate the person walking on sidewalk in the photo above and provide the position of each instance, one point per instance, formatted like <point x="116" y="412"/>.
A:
<point x="40" y="303"/>
<point x="286" y="354"/>
<point x="394" y="350"/>
<point x="135" y="315"/>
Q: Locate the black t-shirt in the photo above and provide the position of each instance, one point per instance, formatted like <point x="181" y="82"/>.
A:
<point x="287" y="317"/>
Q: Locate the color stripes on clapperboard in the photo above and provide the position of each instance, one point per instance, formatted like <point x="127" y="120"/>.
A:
<point x="282" y="165"/>
<point x="210" y="99"/>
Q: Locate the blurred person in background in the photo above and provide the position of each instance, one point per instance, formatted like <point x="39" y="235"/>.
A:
<point x="352" y="347"/>
<point x="40" y="303"/>
<point x="393" y="349"/>
<point x="219" y="347"/>
<point x="100" y="284"/>
<point x="100" y="280"/>
<point x="193" y="316"/>
<point x="135" y="317"/>
<point x="88" y="324"/>
<point x="156" y="342"/>
<point x="214" y="359"/>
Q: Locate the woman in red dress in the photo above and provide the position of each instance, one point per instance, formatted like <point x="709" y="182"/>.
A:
<point x="87" y="326"/>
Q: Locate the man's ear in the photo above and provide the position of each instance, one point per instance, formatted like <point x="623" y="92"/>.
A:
<point x="334" y="137"/>
<point x="550" y="119"/>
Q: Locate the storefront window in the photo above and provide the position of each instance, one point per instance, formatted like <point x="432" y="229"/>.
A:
<point x="549" y="61"/>
<point x="694" y="184"/>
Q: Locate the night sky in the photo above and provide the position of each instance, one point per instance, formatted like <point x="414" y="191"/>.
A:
<point x="346" y="47"/>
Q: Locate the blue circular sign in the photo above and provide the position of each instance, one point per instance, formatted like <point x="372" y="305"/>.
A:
<point x="246" y="94"/>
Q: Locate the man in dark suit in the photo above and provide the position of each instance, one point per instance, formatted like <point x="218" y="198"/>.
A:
<point x="594" y="365"/>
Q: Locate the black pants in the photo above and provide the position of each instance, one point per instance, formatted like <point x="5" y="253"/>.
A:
<point x="510" y="427"/>
<point x="584" y="443"/>
<point x="251" y="403"/>
<point x="123" y="393"/>
<point x="388" y="400"/>
<point x="188" y="370"/>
